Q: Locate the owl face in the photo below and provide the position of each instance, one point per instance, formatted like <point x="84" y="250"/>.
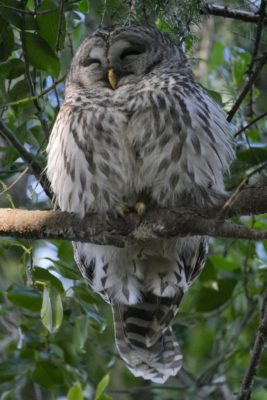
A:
<point x="130" y="52"/>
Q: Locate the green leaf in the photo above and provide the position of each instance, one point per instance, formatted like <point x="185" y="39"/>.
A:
<point x="40" y="54"/>
<point x="101" y="386"/>
<point x="12" y="68"/>
<point x="104" y="396"/>
<point x="83" y="6"/>
<point x="80" y="335"/>
<point x="253" y="156"/>
<point x="216" y="58"/>
<point x="10" y="15"/>
<point x="6" y="40"/>
<point x="47" y="374"/>
<point x="24" y="297"/>
<point x="52" y="309"/>
<point x="215" y="96"/>
<point x="209" y="299"/>
<point x="223" y="264"/>
<point x="65" y="270"/>
<point x="13" y="17"/>
<point x="48" y="24"/>
<point x="8" y="371"/>
<point x="209" y="273"/>
<point x="75" y="392"/>
<point x="19" y="91"/>
<point x="43" y="275"/>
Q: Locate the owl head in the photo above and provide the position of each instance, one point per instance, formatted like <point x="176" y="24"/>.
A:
<point x="122" y="55"/>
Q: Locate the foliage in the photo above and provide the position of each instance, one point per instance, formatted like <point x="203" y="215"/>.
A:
<point x="56" y="338"/>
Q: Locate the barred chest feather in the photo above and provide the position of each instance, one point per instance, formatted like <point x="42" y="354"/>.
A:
<point x="169" y="141"/>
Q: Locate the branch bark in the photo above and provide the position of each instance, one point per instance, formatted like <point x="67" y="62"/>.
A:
<point x="159" y="223"/>
<point x="227" y="12"/>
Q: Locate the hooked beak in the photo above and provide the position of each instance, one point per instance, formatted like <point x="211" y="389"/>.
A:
<point x="112" y="78"/>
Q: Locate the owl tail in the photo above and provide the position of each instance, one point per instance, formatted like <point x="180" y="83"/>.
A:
<point x="145" y="341"/>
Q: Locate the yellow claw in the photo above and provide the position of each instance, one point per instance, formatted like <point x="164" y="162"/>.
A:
<point x="122" y="209"/>
<point x="112" y="78"/>
<point x="140" y="208"/>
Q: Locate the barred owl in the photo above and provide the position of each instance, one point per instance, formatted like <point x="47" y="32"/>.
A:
<point x="135" y="128"/>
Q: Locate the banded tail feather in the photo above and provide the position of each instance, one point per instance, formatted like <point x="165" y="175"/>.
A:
<point x="145" y="340"/>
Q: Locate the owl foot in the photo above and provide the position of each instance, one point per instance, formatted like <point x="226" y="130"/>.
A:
<point x="121" y="209"/>
<point x="140" y="208"/>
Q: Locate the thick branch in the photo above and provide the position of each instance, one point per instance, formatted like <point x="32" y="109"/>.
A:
<point x="226" y="12"/>
<point x="155" y="224"/>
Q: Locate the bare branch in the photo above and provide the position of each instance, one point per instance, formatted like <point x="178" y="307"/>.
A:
<point x="247" y="87"/>
<point x="227" y="12"/>
<point x="37" y="170"/>
<point x="263" y="115"/>
<point x="60" y="21"/>
<point x="260" y="340"/>
<point x="258" y="35"/>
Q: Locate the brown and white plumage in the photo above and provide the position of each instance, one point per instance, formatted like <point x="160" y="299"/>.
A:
<point x="157" y="136"/>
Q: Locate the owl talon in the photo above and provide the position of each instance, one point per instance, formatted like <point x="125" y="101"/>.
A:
<point x="140" y="208"/>
<point x="121" y="209"/>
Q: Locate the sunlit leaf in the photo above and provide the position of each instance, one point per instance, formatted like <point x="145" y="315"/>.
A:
<point x="216" y="58"/>
<point x="43" y="275"/>
<point x="75" y="392"/>
<point x="101" y="386"/>
<point x="81" y="328"/>
<point x="52" y="309"/>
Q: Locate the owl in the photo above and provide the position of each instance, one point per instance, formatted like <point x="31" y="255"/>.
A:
<point x="136" y="131"/>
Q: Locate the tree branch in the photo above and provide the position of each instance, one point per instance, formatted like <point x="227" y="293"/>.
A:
<point x="247" y="87"/>
<point x="226" y="12"/>
<point x="159" y="223"/>
<point x="260" y="340"/>
<point x="244" y="128"/>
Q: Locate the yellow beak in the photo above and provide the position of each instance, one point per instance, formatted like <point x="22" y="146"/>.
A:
<point x="112" y="78"/>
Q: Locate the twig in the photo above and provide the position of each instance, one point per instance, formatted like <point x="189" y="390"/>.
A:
<point x="60" y="21"/>
<point x="261" y="336"/>
<point x="226" y="12"/>
<point x="29" y="78"/>
<point x="33" y="98"/>
<point x="37" y="170"/>
<point x="247" y="87"/>
<point x="7" y="189"/>
<point x="258" y="35"/>
<point x="250" y="124"/>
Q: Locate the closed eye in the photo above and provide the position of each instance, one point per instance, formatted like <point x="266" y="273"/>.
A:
<point x="90" y="61"/>
<point x="130" y="52"/>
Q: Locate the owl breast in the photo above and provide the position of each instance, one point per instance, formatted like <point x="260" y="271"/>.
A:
<point x="157" y="141"/>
